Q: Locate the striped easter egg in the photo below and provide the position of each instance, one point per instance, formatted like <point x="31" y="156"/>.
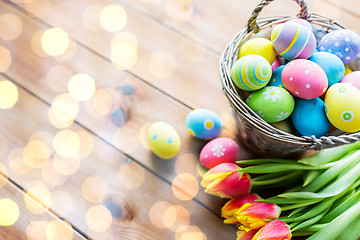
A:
<point x="251" y="72"/>
<point x="293" y="40"/>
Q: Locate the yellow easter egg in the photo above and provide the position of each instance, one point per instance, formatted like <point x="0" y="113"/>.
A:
<point x="258" y="46"/>
<point x="164" y="140"/>
<point x="347" y="70"/>
<point x="342" y="107"/>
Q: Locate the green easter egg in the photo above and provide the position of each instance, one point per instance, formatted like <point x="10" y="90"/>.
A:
<point x="273" y="104"/>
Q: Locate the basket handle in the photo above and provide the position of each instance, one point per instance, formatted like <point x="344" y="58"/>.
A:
<point x="253" y="26"/>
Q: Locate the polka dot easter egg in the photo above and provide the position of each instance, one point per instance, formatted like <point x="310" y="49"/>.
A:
<point x="343" y="43"/>
<point x="332" y="65"/>
<point x="309" y="117"/>
<point x="304" y="79"/>
<point x="219" y="150"/>
<point x="276" y="78"/>
<point x="273" y="104"/>
<point x="293" y="40"/>
<point x="203" y="123"/>
<point x="251" y="72"/>
<point x="164" y="140"/>
<point x="342" y="107"/>
<point x="352" y="78"/>
<point x="258" y="46"/>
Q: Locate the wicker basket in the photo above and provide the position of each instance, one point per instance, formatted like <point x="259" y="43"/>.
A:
<point x="254" y="132"/>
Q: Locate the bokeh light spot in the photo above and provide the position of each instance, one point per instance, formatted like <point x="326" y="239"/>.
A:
<point x="123" y="55"/>
<point x="131" y="175"/>
<point x="176" y="218"/>
<point x="186" y="163"/>
<point x="98" y="218"/>
<point x="104" y="101"/>
<point x="61" y="203"/>
<point x="179" y="10"/>
<point x="67" y="143"/>
<point x="36" y="154"/>
<point x="156" y="214"/>
<point x="36" y="230"/>
<point x="52" y="176"/>
<point x="11" y="27"/>
<point x="91" y="18"/>
<point x="162" y="65"/>
<point x="8" y="94"/>
<point x="9" y="212"/>
<point x="86" y="143"/>
<point x="66" y="166"/>
<point x="81" y="87"/>
<point x="113" y="18"/>
<point x="55" y="41"/>
<point x="94" y="189"/>
<point x="185" y="186"/>
<point x="63" y="111"/>
<point x="38" y="8"/>
<point x="190" y="233"/>
<point x="17" y="163"/>
<point x="5" y="59"/>
<point x="38" y="199"/>
<point x="59" y="230"/>
<point x="36" y="45"/>
<point x="143" y="135"/>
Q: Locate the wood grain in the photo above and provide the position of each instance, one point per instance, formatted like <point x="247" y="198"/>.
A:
<point x="27" y="222"/>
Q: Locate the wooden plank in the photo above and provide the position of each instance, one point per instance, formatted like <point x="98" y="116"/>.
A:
<point x="23" y="224"/>
<point x="93" y="186"/>
<point x="125" y="124"/>
<point x="161" y="59"/>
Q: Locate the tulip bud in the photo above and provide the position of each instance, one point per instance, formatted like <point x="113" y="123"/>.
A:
<point x="256" y="215"/>
<point x="274" y="230"/>
<point x="244" y="235"/>
<point x="225" y="181"/>
<point x="232" y="206"/>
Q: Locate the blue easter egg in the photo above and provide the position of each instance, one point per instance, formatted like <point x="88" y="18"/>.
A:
<point x="275" y="80"/>
<point x="332" y="65"/>
<point x="343" y="43"/>
<point x="319" y="33"/>
<point x="203" y="123"/>
<point x="309" y="117"/>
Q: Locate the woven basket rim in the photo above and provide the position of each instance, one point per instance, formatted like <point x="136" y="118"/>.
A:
<point x="228" y="58"/>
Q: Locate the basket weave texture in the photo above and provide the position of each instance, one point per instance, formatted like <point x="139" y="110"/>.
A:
<point x="253" y="131"/>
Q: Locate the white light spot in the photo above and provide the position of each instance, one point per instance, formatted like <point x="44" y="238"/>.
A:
<point x="205" y="155"/>
<point x="329" y="50"/>
<point x="230" y="143"/>
<point x="307" y="85"/>
<point x="322" y="48"/>
<point x="336" y="44"/>
<point x="347" y="39"/>
<point x="291" y="63"/>
<point x="324" y="89"/>
<point x="346" y="49"/>
<point x="348" y="58"/>
<point x="307" y="71"/>
<point x="296" y="93"/>
<point x="291" y="78"/>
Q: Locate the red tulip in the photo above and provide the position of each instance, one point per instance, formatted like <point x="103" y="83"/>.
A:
<point x="232" y="206"/>
<point x="274" y="230"/>
<point x="225" y="181"/>
<point x="244" y="235"/>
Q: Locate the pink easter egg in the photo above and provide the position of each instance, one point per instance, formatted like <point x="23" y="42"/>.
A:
<point x="276" y="64"/>
<point x="219" y="150"/>
<point x="352" y="78"/>
<point x="304" y="79"/>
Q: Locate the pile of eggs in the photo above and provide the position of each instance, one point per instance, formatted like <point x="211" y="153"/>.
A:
<point x="314" y="88"/>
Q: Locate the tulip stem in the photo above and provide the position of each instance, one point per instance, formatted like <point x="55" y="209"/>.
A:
<point x="280" y="179"/>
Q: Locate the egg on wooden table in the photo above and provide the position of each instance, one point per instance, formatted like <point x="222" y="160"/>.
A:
<point x="304" y="79"/>
<point x="258" y="46"/>
<point x="164" y="140"/>
<point x="219" y="150"/>
<point x="352" y="78"/>
<point x="309" y="117"/>
<point x="203" y="123"/>
<point x="344" y="43"/>
<point x="293" y="40"/>
<point x="342" y="107"/>
<point x="332" y="65"/>
<point x="273" y="104"/>
<point x="251" y="72"/>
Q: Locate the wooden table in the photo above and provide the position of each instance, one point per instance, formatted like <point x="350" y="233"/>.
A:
<point x="74" y="157"/>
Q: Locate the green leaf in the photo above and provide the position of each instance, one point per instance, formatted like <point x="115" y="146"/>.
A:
<point x="335" y="229"/>
<point x="309" y="176"/>
<point x="275" y="167"/>
<point x="301" y="203"/>
<point x="309" y="230"/>
<point x="310" y="221"/>
<point x="351" y="232"/>
<point x="332" y="172"/>
<point x="264" y="161"/>
<point x="279" y="200"/>
<point x="281" y="179"/>
<point x="330" y="155"/>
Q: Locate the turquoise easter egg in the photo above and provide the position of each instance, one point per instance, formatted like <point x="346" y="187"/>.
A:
<point x="273" y="104"/>
<point x="332" y="65"/>
<point x="309" y="117"/>
<point x="203" y="123"/>
<point x="251" y="72"/>
<point x="275" y="80"/>
<point x="164" y="140"/>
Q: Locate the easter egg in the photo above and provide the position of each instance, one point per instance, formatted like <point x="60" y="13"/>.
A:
<point x="164" y="140"/>
<point x="275" y="64"/>
<point x="203" y="123"/>
<point x="342" y="107"/>
<point x="347" y="70"/>
<point x="286" y="126"/>
<point x="302" y="22"/>
<point x="352" y="78"/>
<point x="219" y="150"/>
<point x="251" y="72"/>
<point x="276" y="78"/>
<point x="258" y="46"/>
<point x="319" y="33"/>
<point x="343" y="43"/>
<point x="293" y="40"/>
<point x="304" y="79"/>
<point x="309" y="117"/>
<point x="273" y="104"/>
<point x="332" y="65"/>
